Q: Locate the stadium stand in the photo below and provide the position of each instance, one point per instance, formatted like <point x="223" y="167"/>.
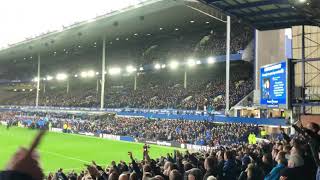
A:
<point x="226" y="151"/>
<point x="206" y="87"/>
<point x="233" y="159"/>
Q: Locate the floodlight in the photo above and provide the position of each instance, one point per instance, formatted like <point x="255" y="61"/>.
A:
<point x="198" y="62"/>
<point x="61" y="76"/>
<point x="191" y="62"/>
<point x="131" y="69"/>
<point x="163" y="66"/>
<point x="97" y="73"/>
<point x="84" y="74"/>
<point x="114" y="71"/>
<point x="141" y="69"/>
<point x="35" y="79"/>
<point x="49" y="78"/>
<point x="76" y="75"/>
<point x="23" y="90"/>
<point x="174" y="64"/>
<point x="211" y="60"/>
<point x="157" y="66"/>
<point x="90" y="73"/>
<point x="302" y="1"/>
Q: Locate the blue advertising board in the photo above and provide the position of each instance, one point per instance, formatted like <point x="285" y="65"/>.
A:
<point x="273" y="85"/>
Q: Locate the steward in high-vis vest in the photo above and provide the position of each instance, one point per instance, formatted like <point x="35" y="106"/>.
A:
<point x="65" y="127"/>
<point x="263" y="133"/>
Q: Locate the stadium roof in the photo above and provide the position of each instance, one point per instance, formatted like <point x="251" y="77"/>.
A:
<point x="271" y="14"/>
<point x="132" y="23"/>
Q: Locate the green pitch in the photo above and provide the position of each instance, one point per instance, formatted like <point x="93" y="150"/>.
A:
<point x="69" y="151"/>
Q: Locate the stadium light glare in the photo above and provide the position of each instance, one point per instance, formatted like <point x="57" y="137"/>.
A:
<point x="211" y="60"/>
<point x="191" y="62"/>
<point x="173" y="64"/>
<point x="163" y="66"/>
<point x="302" y="1"/>
<point x="130" y="69"/>
<point x="61" y="76"/>
<point x="141" y="69"/>
<point x="157" y="66"/>
<point x="114" y="71"/>
<point x="84" y="74"/>
<point x="49" y="78"/>
<point x="90" y="73"/>
<point x="97" y="73"/>
<point x="76" y="75"/>
<point x="35" y="79"/>
<point x="198" y="62"/>
<point x="191" y="21"/>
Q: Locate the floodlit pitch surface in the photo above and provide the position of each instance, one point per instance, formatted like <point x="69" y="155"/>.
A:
<point x="70" y="151"/>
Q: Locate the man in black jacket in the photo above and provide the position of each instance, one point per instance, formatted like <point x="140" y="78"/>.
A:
<point x="210" y="165"/>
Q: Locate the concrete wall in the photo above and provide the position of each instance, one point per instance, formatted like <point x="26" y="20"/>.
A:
<point x="271" y="49"/>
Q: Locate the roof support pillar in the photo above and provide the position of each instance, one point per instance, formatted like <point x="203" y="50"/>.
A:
<point x="185" y="80"/>
<point x="228" y="64"/>
<point x="303" y="57"/>
<point x="135" y="82"/>
<point x="256" y="59"/>
<point x="38" y="82"/>
<point x="103" y="72"/>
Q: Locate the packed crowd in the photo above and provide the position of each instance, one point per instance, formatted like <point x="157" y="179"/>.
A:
<point x="180" y="131"/>
<point x="291" y="159"/>
<point x="158" y="92"/>
<point x="187" y="132"/>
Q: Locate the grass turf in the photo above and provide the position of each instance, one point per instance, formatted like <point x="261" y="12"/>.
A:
<point x="70" y="151"/>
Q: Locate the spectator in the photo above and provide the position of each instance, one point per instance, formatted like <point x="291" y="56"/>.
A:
<point x="275" y="172"/>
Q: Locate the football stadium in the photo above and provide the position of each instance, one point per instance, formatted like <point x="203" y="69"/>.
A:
<point x="160" y="90"/>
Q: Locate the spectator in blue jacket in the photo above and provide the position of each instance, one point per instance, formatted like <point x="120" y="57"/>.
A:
<point x="275" y="172"/>
<point x="230" y="167"/>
